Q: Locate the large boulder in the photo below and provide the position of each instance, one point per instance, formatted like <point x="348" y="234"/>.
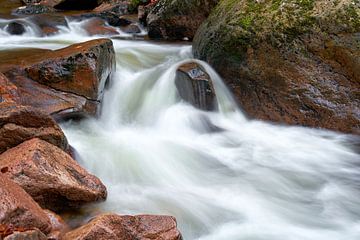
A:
<point x="295" y="62"/>
<point x="18" y="209"/>
<point x="141" y="227"/>
<point x="177" y="19"/>
<point x="21" y="123"/>
<point x="195" y="86"/>
<point x="68" y="82"/>
<point x="51" y="176"/>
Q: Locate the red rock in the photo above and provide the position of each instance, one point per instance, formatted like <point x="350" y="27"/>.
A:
<point x="19" y="210"/>
<point x="98" y="26"/>
<point x="141" y="227"/>
<point x="8" y="91"/>
<point x="20" y="123"/>
<point x="51" y="176"/>
<point x="34" y="234"/>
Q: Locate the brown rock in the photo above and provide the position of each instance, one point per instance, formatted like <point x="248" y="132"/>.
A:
<point x="195" y="86"/>
<point x="34" y="234"/>
<point x="50" y="176"/>
<point x="18" y="209"/>
<point x="97" y="26"/>
<point x="21" y="123"/>
<point x="141" y="227"/>
<point x="8" y="91"/>
<point x="58" y="226"/>
<point x="131" y="29"/>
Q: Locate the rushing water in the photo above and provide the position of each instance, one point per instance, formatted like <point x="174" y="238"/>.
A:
<point x="221" y="175"/>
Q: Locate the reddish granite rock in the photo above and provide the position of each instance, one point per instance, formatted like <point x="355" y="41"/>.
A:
<point x="34" y="234"/>
<point x="51" y="176"/>
<point x="20" y="123"/>
<point x="141" y="227"/>
<point x="8" y="91"/>
<point x="19" y="210"/>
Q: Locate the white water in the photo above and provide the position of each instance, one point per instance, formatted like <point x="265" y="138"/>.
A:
<point x="222" y="176"/>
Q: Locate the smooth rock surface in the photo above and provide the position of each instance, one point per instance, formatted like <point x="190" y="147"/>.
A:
<point x="55" y="180"/>
<point x="141" y="227"/>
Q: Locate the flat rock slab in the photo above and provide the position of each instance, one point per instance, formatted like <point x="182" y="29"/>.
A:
<point x="51" y="176"/>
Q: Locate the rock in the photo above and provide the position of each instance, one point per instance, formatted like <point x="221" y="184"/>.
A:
<point x="131" y="29"/>
<point x="292" y="61"/>
<point x="176" y="19"/>
<point x="195" y="86"/>
<point x="58" y="226"/>
<point x="15" y="28"/>
<point x="18" y="209"/>
<point x="54" y="180"/>
<point x="8" y="91"/>
<point x="111" y="18"/>
<point x="97" y="26"/>
<point x="49" y="23"/>
<point x="33" y="9"/>
<point x="65" y="4"/>
<point x="21" y="123"/>
<point x="82" y="68"/>
<point x="141" y="227"/>
<point x="34" y="234"/>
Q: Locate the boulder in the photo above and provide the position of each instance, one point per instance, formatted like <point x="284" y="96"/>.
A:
<point x="97" y="26"/>
<point x="177" y="19"/>
<point x="8" y="91"/>
<point x="54" y="180"/>
<point x="33" y="234"/>
<point x="15" y="28"/>
<point x="21" y="123"/>
<point x="33" y="9"/>
<point x="195" y="86"/>
<point x="19" y="210"/>
<point x="131" y="29"/>
<point x="49" y="23"/>
<point x="66" y="83"/>
<point x="294" y="62"/>
<point x="141" y="227"/>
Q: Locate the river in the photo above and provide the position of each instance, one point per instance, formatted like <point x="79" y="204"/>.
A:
<point x="223" y="176"/>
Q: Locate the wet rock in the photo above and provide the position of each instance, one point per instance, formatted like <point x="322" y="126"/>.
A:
<point x="142" y="227"/>
<point x="33" y="9"/>
<point x="21" y="123"/>
<point x="82" y="68"/>
<point x="97" y="26"/>
<point x="195" y="86"/>
<point x="58" y="226"/>
<point x="54" y="180"/>
<point x="176" y="19"/>
<point x="19" y="210"/>
<point x="131" y="29"/>
<point x="8" y="91"/>
<point x="290" y="62"/>
<point x="33" y="234"/>
<point x="49" y="23"/>
<point x="111" y="18"/>
<point x="15" y="28"/>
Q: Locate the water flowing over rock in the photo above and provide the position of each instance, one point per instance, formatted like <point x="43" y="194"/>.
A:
<point x="177" y="19"/>
<point x="141" y="227"/>
<point x="291" y="62"/>
<point x="21" y="123"/>
<point x="15" y="28"/>
<point x="195" y="86"/>
<point x="18" y="209"/>
<point x="51" y="176"/>
<point x="58" y="226"/>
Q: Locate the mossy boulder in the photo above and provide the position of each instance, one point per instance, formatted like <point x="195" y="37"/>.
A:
<point x="178" y="19"/>
<point x="288" y="61"/>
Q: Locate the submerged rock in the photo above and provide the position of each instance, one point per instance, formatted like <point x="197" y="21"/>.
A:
<point x="19" y="210"/>
<point x="177" y="19"/>
<point x="195" y="86"/>
<point x="21" y="123"/>
<point x="51" y="176"/>
<point x="141" y="227"/>
<point x="294" y="62"/>
<point x="15" y="28"/>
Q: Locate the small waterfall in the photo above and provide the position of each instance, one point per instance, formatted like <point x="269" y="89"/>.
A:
<point x="221" y="175"/>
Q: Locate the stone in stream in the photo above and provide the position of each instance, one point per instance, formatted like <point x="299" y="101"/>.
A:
<point x="19" y="210"/>
<point x="177" y="19"/>
<point x="21" y="123"/>
<point x="294" y="62"/>
<point x="51" y="176"/>
<point x="141" y="227"/>
<point x="15" y="28"/>
<point x="97" y="26"/>
<point x="66" y="83"/>
<point x="195" y="86"/>
<point x="33" y="9"/>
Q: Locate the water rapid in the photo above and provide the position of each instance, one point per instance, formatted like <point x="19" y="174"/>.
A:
<point x="222" y="176"/>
